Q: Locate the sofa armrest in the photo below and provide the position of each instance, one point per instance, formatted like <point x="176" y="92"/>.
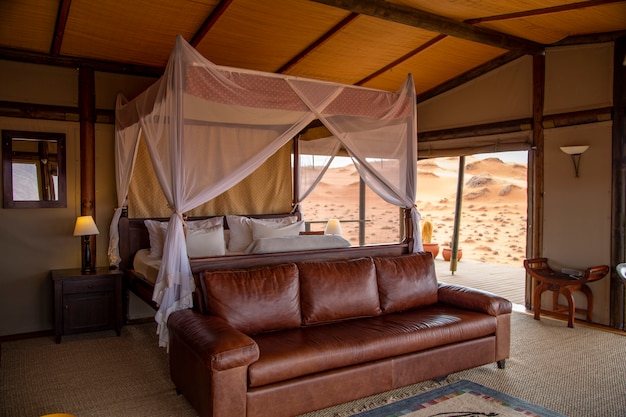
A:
<point x="473" y="299"/>
<point x="220" y="345"/>
<point x="209" y="363"/>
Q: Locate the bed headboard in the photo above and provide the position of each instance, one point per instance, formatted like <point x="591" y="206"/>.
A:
<point x="134" y="234"/>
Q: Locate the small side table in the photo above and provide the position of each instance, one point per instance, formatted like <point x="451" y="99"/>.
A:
<point x="86" y="302"/>
<point x="561" y="283"/>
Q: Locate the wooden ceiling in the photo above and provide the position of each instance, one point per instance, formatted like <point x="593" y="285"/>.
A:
<point x="372" y="43"/>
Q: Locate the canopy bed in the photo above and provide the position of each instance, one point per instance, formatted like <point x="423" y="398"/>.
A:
<point x="207" y="130"/>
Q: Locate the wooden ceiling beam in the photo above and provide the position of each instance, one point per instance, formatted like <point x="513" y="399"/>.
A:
<point x="507" y="126"/>
<point x="432" y="22"/>
<point x="398" y="61"/>
<point x="592" y="38"/>
<point x="214" y="16"/>
<point x="326" y="36"/>
<point x="59" y="27"/>
<point x="470" y="75"/>
<point x="20" y="55"/>
<point x="545" y="10"/>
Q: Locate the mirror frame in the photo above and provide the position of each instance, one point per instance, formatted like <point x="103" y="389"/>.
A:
<point x="7" y="169"/>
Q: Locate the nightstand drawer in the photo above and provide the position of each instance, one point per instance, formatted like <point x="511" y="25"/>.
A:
<point x="83" y="285"/>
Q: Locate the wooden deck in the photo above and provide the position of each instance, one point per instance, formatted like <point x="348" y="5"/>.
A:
<point x="505" y="281"/>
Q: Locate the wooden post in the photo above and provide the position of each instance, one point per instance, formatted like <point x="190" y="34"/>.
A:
<point x="539" y="70"/>
<point x="295" y="198"/>
<point x="535" y="195"/>
<point x="409" y="239"/>
<point x="87" y="110"/>
<point x="618" y="210"/>
<point x="454" y="257"/>
<point x="362" y="209"/>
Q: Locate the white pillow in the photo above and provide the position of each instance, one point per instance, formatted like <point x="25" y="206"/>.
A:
<point x="205" y="223"/>
<point x="241" y="231"/>
<point x="156" y="232"/>
<point x="206" y="242"/>
<point x="261" y="230"/>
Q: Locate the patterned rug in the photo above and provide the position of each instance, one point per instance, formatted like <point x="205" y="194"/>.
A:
<point x="461" y="399"/>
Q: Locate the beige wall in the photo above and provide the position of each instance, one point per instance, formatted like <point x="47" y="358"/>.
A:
<point x="34" y="241"/>
<point x="502" y="94"/>
<point x="577" y="211"/>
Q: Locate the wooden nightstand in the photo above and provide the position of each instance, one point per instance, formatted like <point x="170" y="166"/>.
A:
<point x="86" y="302"/>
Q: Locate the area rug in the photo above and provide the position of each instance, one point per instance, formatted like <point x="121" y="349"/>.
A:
<point x="461" y="399"/>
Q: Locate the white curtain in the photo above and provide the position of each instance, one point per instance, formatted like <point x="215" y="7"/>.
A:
<point x="208" y="127"/>
<point x="379" y="132"/>
<point x="315" y="156"/>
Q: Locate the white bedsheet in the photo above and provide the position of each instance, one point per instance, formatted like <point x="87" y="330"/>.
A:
<point x="295" y="243"/>
<point x="146" y="265"/>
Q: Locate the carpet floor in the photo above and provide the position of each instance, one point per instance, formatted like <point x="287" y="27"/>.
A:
<point x="578" y="372"/>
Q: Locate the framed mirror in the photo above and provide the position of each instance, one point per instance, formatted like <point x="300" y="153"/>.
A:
<point x="33" y="169"/>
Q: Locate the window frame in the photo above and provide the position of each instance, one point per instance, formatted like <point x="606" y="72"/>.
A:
<point x="8" y="136"/>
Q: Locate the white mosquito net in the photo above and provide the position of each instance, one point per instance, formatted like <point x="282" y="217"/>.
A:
<point x="207" y="127"/>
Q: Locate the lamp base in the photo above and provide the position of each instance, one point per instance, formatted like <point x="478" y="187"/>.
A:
<point x="87" y="269"/>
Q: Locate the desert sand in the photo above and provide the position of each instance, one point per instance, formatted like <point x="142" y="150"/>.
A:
<point x="493" y="213"/>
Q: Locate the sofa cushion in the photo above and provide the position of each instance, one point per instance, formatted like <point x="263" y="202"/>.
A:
<point x="338" y="290"/>
<point x="307" y="350"/>
<point x="406" y="281"/>
<point x="254" y="300"/>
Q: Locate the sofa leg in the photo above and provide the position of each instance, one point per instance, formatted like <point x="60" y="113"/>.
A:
<point x="441" y="378"/>
<point x="501" y="363"/>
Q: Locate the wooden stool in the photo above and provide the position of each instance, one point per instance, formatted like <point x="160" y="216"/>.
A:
<point x="561" y="283"/>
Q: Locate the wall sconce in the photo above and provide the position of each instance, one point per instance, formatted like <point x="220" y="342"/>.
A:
<point x="86" y="227"/>
<point x="575" y="152"/>
<point x="333" y="227"/>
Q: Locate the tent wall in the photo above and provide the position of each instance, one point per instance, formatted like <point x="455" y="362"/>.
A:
<point x="500" y="95"/>
<point x="266" y="191"/>
<point x="34" y="241"/>
<point x="577" y="211"/>
<point x="579" y="78"/>
<point x="44" y="235"/>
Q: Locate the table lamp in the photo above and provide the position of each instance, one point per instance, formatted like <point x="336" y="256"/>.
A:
<point x="333" y="227"/>
<point x="86" y="227"/>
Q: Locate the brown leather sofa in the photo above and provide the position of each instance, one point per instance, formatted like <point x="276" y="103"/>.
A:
<point x="292" y="338"/>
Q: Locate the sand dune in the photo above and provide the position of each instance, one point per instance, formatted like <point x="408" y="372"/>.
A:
<point x="493" y="214"/>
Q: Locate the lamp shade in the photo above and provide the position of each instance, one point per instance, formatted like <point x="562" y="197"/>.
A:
<point x="574" y="150"/>
<point x="333" y="227"/>
<point x="85" y="226"/>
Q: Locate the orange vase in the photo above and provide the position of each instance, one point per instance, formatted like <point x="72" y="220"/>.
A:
<point x="447" y="254"/>
<point x="432" y="248"/>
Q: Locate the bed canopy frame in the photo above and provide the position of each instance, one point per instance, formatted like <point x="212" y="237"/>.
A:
<point x="207" y="127"/>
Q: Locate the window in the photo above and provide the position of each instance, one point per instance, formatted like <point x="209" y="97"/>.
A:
<point x="365" y="217"/>
<point x="33" y="169"/>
